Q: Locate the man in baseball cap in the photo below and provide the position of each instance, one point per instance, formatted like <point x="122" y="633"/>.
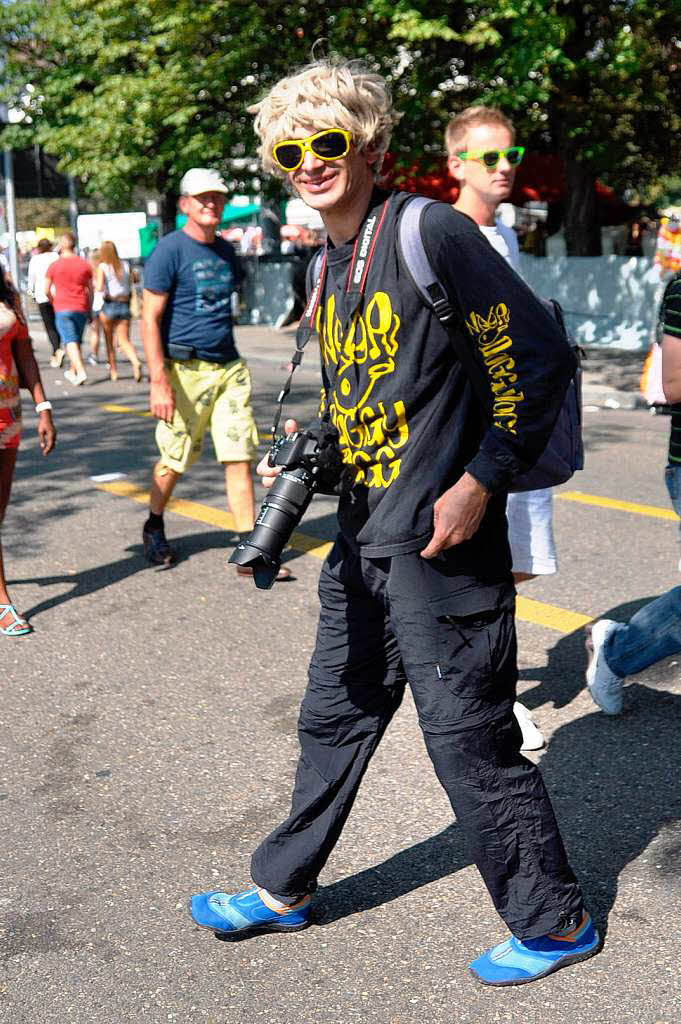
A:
<point x="202" y="179"/>
<point x="198" y="380"/>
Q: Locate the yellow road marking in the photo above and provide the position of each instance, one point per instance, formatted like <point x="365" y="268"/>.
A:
<point x="559" y="619"/>
<point x="654" y="511"/>
<point x="550" y="615"/>
<point x="211" y="516"/>
<point x="128" y="409"/>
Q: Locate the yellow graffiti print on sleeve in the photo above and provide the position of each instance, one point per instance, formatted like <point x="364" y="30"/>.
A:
<point x="371" y="435"/>
<point x="492" y="338"/>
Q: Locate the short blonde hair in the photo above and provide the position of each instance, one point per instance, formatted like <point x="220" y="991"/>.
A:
<point x="471" y="117"/>
<point x="329" y="93"/>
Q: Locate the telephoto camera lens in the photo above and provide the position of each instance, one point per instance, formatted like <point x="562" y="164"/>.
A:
<point x="281" y="511"/>
<point x="311" y="461"/>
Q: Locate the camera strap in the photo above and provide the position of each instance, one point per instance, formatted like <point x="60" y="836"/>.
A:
<point x="362" y="255"/>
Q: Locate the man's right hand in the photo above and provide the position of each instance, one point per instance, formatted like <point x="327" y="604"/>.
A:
<point x="162" y="398"/>
<point x="268" y="474"/>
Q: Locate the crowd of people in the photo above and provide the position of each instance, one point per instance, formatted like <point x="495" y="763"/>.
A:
<point x="72" y="292"/>
<point x="419" y="588"/>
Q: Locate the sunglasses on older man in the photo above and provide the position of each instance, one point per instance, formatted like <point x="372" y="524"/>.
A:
<point x="491" y="157"/>
<point x="329" y="144"/>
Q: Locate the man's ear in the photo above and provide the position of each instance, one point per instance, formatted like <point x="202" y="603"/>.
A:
<point x="456" y="167"/>
<point x="182" y="203"/>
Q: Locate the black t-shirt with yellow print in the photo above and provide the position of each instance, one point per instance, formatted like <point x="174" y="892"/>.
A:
<point x="409" y="423"/>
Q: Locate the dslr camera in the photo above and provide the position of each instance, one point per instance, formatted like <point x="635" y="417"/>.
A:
<point x="311" y="462"/>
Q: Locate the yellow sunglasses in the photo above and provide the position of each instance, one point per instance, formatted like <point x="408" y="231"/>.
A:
<point x="329" y="144"/>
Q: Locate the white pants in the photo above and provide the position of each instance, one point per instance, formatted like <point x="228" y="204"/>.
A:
<point x="530" y="532"/>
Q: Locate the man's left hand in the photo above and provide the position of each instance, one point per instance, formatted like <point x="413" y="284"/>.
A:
<point x="457" y="515"/>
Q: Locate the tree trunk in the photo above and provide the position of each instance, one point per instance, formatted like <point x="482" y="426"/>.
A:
<point x="582" y="228"/>
<point x="168" y="211"/>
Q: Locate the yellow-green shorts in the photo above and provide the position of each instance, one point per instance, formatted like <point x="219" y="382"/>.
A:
<point x="208" y="395"/>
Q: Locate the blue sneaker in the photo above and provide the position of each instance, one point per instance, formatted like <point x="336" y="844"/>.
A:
<point x="516" y="961"/>
<point x="229" y="913"/>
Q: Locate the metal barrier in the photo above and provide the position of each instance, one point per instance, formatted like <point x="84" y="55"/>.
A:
<point x="269" y="289"/>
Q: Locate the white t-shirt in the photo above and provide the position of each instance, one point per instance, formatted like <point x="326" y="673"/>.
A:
<point x="117" y="286"/>
<point x="505" y="241"/>
<point x="37" y="268"/>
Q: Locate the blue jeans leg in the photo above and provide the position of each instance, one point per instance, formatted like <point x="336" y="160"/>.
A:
<point x="654" y="632"/>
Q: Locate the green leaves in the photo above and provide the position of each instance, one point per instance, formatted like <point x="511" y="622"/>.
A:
<point x="130" y="94"/>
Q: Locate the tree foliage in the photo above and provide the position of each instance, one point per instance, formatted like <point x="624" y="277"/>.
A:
<point x="133" y="93"/>
<point x="130" y="94"/>
<point x="597" y="82"/>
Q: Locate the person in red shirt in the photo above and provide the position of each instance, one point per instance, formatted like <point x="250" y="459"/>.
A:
<point x="70" y="286"/>
<point x="17" y="364"/>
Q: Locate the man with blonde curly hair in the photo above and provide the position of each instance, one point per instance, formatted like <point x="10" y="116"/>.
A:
<point x="418" y="586"/>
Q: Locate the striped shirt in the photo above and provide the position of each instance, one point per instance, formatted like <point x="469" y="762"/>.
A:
<point x="671" y="324"/>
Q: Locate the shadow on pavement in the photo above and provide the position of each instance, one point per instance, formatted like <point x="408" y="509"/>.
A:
<point x="100" y="577"/>
<point x="410" y="869"/>
<point x="563" y="676"/>
<point x="614" y="783"/>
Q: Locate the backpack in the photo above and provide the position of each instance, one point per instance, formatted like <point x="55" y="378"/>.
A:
<point x="564" y="453"/>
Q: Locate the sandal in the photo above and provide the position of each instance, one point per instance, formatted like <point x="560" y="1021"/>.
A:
<point x="19" y="627"/>
<point x="245" y="572"/>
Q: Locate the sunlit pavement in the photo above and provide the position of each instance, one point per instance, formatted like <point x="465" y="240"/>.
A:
<point x="149" y="743"/>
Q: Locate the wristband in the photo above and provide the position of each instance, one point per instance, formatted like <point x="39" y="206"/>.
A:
<point x="43" y="406"/>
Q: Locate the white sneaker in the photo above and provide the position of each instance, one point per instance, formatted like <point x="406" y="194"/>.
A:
<point x="75" y="378"/>
<point x="533" y="738"/>
<point x="92" y="359"/>
<point x="604" y="686"/>
<point x="57" y="358"/>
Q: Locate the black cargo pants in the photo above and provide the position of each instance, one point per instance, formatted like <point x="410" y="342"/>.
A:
<point x="451" y="634"/>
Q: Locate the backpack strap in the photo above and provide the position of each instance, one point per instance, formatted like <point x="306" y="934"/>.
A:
<point x="414" y="254"/>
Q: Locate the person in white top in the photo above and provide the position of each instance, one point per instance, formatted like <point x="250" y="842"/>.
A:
<point x="483" y="157"/>
<point x="41" y="259"/>
<point x="115" y="280"/>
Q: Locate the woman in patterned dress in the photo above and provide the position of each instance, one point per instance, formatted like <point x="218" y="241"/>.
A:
<point x="17" y="368"/>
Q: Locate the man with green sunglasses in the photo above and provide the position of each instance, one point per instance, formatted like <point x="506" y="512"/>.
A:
<point x="417" y="589"/>
<point x="483" y="158"/>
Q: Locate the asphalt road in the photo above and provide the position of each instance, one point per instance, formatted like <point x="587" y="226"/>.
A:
<point x="148" y="743"/>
